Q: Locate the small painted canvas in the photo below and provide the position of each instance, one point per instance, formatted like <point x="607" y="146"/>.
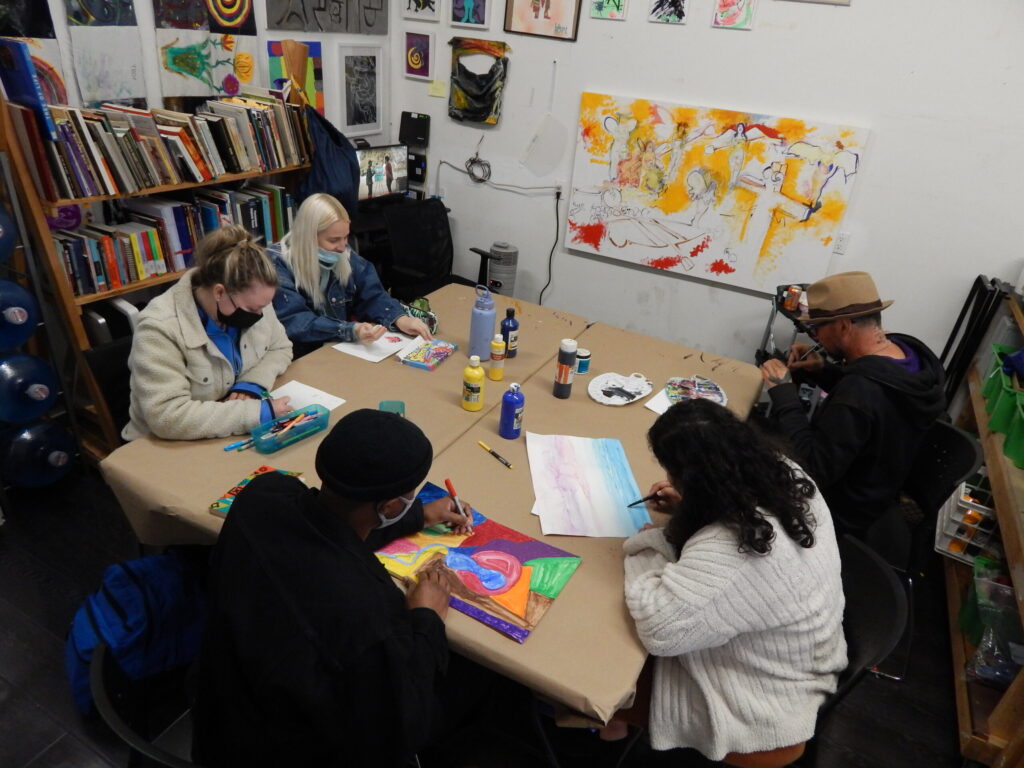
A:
<point x="611" y="10"/>
<point x="231" y="17"/>
<point x="470" y="13"/>
<point x="419" y="52"/>
<point x="734" y="14"/>
<point x="421" y="10"/>
<point x="746" y="199"/>
<point x="668" y="11"/>
<point x="498" y="576"/>
<point x="100" y="13"/>
<point x="427" y="354"/>
<point x="361" y="91"/>
<point x="198" y="63"/>
<point x="313" y="81"/>
<point x="559" y="19"/>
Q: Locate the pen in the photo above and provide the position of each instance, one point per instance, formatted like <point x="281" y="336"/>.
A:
<point x="458" y="504"/>
<point x="644" y="500"/>
<point x="808" y="353"/>
<point x="493" y="453"/>
<point x="236" y="444"/>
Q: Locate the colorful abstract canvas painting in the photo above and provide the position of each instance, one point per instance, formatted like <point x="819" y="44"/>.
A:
<point x="611" y="10"/>
<point x="745" y="199"/>
<point x="419" y="52"/>
<point x="734" y="14"/>
<point x="667" y="12"/>
<point x="498" y="576"/>
<point x="312" y="82"/>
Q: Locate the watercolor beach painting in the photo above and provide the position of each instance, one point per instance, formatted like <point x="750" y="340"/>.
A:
<point x="745" y="199"/>
<point x="500" y="577"/>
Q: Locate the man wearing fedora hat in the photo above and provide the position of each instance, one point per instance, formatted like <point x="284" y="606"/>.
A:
<point x="312" y="656"/>
<point x="880" y="399"/>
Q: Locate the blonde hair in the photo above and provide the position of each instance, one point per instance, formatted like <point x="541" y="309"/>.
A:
<point x="230" y="256"/>
<point x="300" y="249"/>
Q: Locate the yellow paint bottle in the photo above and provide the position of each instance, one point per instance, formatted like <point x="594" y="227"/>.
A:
<point x="497" y="370"/>
<point x="473" y="385"/>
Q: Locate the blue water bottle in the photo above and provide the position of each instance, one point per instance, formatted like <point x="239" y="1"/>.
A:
<point x="481" y="324"/>
<point x="510" y="332"/>
<point x="512" y="404"/>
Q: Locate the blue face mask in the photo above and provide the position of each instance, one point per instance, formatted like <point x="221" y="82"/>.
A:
<point x="328" y="259"/>
<point x="386" y="521"/>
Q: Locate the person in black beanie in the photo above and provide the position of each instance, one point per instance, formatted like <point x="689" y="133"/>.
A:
<point x="312" y="656"/>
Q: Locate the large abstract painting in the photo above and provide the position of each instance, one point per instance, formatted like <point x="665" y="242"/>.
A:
<point x="745" y="199"/>
<point x="365" y="17"/>
<point x="498" y="576"/>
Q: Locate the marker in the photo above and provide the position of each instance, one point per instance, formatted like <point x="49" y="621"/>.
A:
<point x="458" y="504"/>
<point x="236" y="444"/>
<point x="246" y="446"/>
<point x="644" y="500"/>
<point x="493" y="453"/>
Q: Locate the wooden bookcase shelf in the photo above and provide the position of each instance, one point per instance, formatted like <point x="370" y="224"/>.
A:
<point x="989" y="721"/>
<point x="99" y="434"/>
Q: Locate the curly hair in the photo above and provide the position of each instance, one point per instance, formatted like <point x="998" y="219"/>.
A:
<point x="728" y="472"/>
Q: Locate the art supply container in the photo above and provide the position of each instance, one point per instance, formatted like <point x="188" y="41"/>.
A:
<point x="496" y="371"/>
<point x="510" y="333"/>
<point x="1003" y="407"/>
<point x="996" y="378"/>
<point x="510" y="425"/>
<point x="28" y="388"/>
<point x="1013" y="446"/>
<point x="290" y="428"/>
<point x="19" y="315"/>
<point x="473" y="385"/>
<point x="481" y="324"/>
<point x="565" y="368"/>
<point x="582" y="361"/>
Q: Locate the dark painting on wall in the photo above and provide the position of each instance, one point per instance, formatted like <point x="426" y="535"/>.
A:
<point x="25" y="18"/>
<point x="362" y="17"/>
<point x="100" y="13"/>
<point x="180" y="14"/>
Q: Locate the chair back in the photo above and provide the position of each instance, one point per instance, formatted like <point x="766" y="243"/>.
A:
<point x="129" y="709"/>
<point x="421" y="248"/>
<point x="875" y="614"/>
<point x="109" y="365"/>
<point x="947" y="456"/>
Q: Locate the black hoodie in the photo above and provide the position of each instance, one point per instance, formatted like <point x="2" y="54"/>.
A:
<point x="864" y="436"/>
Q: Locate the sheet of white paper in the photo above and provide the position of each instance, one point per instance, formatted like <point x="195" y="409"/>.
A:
<point x="658" y="402"/>
<point x="303" y="396"/>
<point x="383" y="347"/>
<point x="583" y="486"/>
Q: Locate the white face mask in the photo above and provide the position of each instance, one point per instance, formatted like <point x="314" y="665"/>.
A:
<point x="386" y="521"/>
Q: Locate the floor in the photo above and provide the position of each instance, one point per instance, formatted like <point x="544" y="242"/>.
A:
<point x="57" y="541"/>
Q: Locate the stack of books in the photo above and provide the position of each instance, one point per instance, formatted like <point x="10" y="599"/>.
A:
<point x="157" y="234"/>
<point x="119" y="150"/>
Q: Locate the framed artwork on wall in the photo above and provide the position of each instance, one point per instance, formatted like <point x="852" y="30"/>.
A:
<point x="363" y="78"/>
<point x="558" y="19"/>
<point x="667" y="12"/>
<point x="419" y="54"/>
<point x="421" y="10"/>
<point x="470" y="13"/>
<point x="611" y="10"/>
<point x="734" y="14"/>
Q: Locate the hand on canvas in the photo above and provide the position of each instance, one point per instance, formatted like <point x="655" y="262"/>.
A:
<point x="413" y="326"/>
<point x="431" y="591"/>
<point x="443" y="511"/>
<point x="368" y="333"/>
<point x="666" y="500"/>
<point x="774" y="372"/>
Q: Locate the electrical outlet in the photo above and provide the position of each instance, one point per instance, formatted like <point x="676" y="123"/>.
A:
<point x="841" y="244"/>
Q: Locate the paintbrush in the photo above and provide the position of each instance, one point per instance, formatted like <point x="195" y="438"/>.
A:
<point x="644" y="500"/>
<point x="816" y="348"/>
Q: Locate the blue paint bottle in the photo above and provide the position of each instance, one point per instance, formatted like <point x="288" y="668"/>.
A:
<point x="510" y="425"/>
<point x="510" y="332"/>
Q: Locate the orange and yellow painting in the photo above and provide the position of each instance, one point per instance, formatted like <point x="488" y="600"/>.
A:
<point x="750" y="200"/>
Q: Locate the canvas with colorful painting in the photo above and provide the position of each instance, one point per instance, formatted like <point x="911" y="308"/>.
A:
<point x="746" y="199"/>
<point x="498" y="576"/>
<point x="419" y="52"/>
<point x="734" y="14"/>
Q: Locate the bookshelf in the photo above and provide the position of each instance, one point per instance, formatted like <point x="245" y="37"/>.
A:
<point x="98" y="434"/>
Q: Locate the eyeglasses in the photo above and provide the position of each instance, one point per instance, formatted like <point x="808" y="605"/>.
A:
<point x="814" y="328"/>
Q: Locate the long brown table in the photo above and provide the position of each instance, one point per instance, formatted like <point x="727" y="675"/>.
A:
<point x="584" y="653"/>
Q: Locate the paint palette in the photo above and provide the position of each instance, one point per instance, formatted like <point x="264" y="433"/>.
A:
<point x="680" y="388"/>
<point x="616" y="389"/>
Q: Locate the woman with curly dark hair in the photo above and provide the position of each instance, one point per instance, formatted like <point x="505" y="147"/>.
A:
<point x="738" y="597"/>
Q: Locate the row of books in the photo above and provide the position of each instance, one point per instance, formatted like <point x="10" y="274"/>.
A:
<point x="156" y="235"/>
<point x="120" y="150"/>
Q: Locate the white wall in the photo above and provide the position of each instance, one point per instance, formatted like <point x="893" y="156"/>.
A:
<point x="939" y="83"/>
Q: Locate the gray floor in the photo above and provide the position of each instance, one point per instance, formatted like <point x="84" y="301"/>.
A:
<point x="58" y="540"/>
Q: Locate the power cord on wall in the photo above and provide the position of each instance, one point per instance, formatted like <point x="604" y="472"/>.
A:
<point x="551" y="254"/>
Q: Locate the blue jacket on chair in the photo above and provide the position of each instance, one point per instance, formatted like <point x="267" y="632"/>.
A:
<point x="362" y="297"/>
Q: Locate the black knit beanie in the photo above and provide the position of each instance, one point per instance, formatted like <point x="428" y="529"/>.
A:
<point x="373" y="455"/>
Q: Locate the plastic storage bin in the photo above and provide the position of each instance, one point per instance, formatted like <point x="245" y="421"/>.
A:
<point x="277" y="434"/>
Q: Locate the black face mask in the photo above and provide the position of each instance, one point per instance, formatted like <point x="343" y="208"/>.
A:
<point x="240" y="318"/>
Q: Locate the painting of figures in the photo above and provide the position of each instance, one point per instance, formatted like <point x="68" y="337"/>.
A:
<point x="750" y="200"/>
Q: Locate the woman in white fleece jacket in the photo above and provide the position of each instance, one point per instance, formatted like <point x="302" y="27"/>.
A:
<point x="739" y="597"/>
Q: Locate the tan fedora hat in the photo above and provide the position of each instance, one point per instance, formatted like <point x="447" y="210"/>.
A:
<point x="843" y="295"/>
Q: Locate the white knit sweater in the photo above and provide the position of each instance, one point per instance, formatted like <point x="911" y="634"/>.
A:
<point x="748" y="645"/>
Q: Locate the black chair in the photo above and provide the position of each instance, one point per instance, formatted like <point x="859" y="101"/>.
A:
<point x="421" y="248"/>
<point x="134" y="709"/>
<point x="109" y="366"/>
<point x="946" y="458"/>
<point x="873" y="622"/>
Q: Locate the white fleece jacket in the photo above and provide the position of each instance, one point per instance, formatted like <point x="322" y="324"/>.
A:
<point x="748" y="645"/>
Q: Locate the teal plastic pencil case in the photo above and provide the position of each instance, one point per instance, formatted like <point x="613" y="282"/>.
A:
<point x="276" y="434"/>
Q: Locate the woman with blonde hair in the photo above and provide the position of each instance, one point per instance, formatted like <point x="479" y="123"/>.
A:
<point x="206" y="351"/>
<point x="323" y="284"/>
